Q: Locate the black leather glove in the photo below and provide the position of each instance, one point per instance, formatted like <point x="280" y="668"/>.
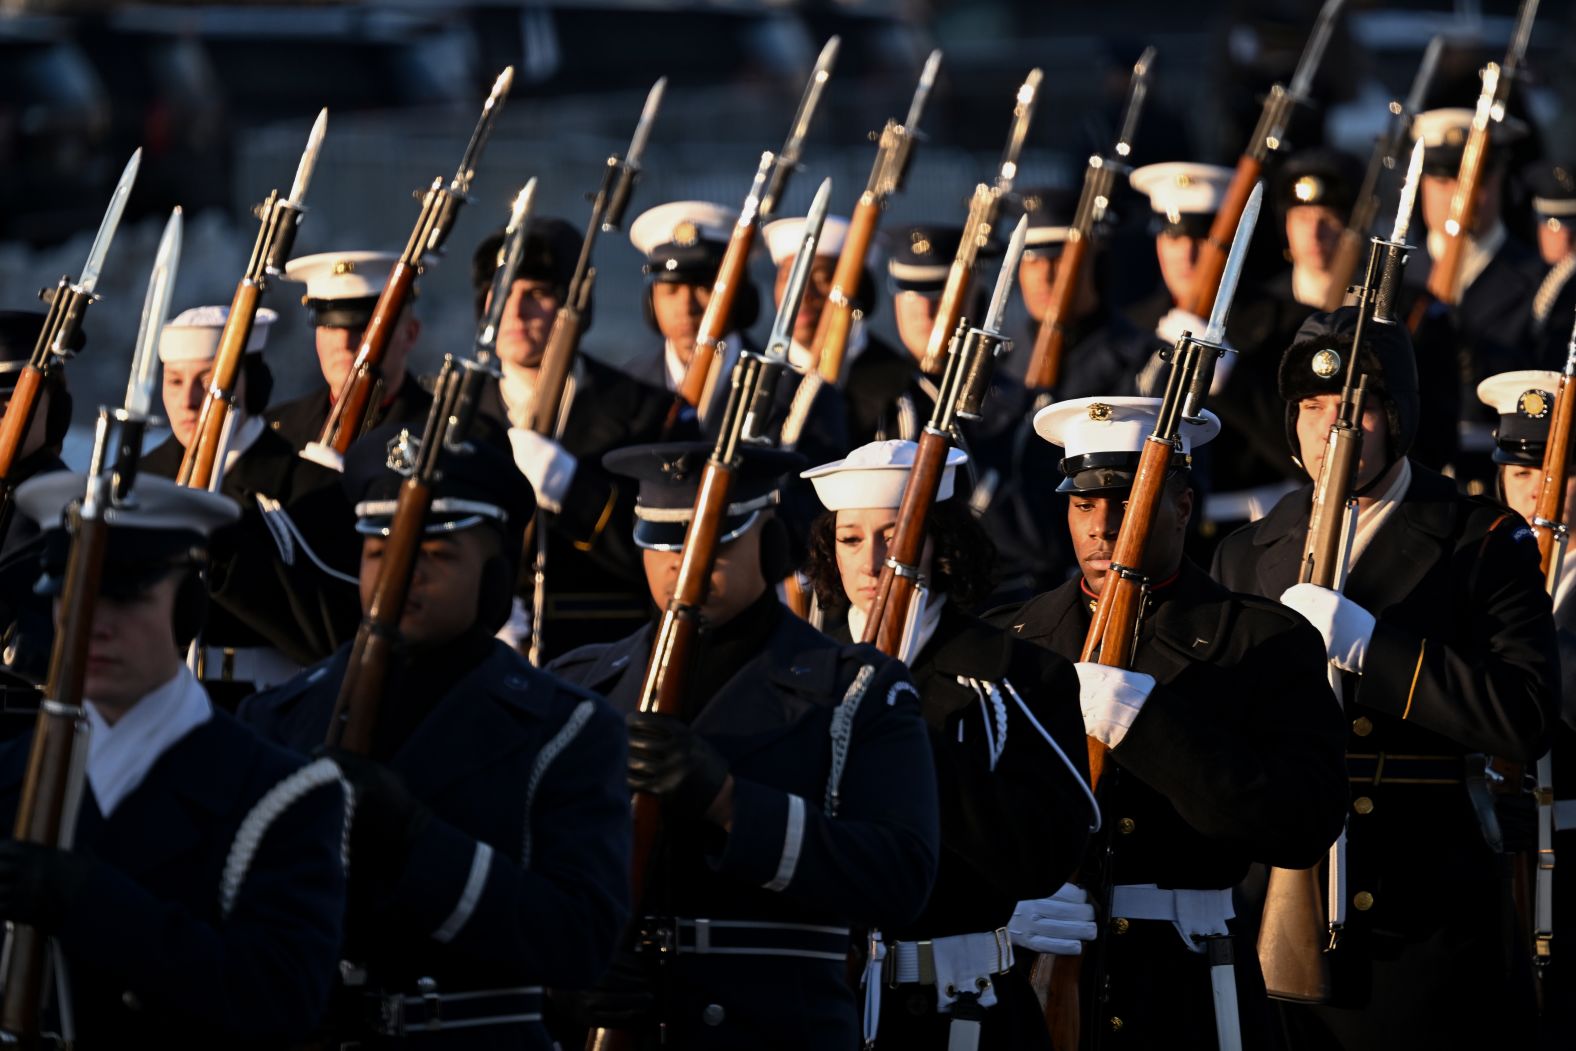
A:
<point x="623" y="999"/>
<point x="38" y="883"/>
<point x="387" y="819"/>
<point x="668" y="759"/>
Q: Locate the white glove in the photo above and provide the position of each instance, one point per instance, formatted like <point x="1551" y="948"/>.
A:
<point x="1111" y="699"/>
<point x="547" y="465"/>
<point x="1177" y="321"/>
<point x="1347" y="627"/>
<point x="1058" y="925"/>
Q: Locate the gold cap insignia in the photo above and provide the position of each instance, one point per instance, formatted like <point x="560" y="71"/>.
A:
<point x="686" y="234"/>
<point x="344" y="266"/>
<point x="1534" y="404"/>
<point x="1455" y="136"/>
<point x="1326" y="363"/>
<point x="1184" y="179"/>
<point x="1308" y="190"/>
<point x="1099" y="411"/>
<point x="920" y="244"/>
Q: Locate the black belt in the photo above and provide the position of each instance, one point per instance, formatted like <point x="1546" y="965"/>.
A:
<point x="807" y="941"/>
<point x="1387" y="769"/>
<point x="429" y="1011"/>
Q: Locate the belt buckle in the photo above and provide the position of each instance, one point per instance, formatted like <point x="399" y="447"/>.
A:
<point x="427" y="989"/>
<point x="925" y="958"/>
<point x="702" y="936"/>
<point x="227" y="667"/>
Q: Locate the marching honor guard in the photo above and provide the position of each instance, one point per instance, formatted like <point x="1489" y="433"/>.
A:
<point x="277" y="577"/>
<point x="1444" y="633"/>
<point x="342" y="288"/>
<point x="1008" y="743"/>
<point x="1225" y="750"/>
<point x="489" y="855"/>
<point x="200" y="904"/>
<point x="797" y="788"/>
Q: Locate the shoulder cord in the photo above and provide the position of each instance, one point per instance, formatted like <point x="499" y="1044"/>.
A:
<point x="287" y="536"/>
<point x="550" y="751"/>
<point x="842" y="733"/>
<point x="261" y="817"/>
<point x="990" y="704"/>
<point x="1094" y="806"/>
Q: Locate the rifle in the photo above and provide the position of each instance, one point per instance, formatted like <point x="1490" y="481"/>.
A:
<point x="356" y="402"/>
<point x="1267" y="137"/>
<point x="68" y="304"/>
<point x="744" y="422"/>
<point x="1302" y="922"/>
<point x="1548" y="522"/>
<point x="771" y="178"/>
<point x="57" y="763"/>
<point x="1113" y="629"/>
<point x="276" y="236"/>
<point x="961" y="396"/>
<point x="980" y="224"/>
<point x="448" y="426"/>
<point x="1386" y="155"/>
<point x="563" y="340"/>
<point x="1444" y="279"/>
<point x="894" y="153"/>
<point x="1045" y="365"/>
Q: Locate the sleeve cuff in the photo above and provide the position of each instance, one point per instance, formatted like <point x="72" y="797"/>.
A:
<point x="767" y="838"/>
<point x="1392" y="670"/>
<point x="445" y="879"/>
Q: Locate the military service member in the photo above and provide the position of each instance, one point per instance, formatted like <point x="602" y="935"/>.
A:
<point x="1225" y="750"/>
<point x="490" y="849"/>
<point x="1008" y="743"/>
<point x="1554" y="303"/>
<point x="200" y="905"/>
<point x="798" y="794"/>
<point x="1443" y="629"/>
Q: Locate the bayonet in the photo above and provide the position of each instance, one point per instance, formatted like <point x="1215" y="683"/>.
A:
<point x="1215" y="332"/>
<point x="648" y="114"/>
<point x="1313" y="53"/>
<point x="484" y="126"/>
<point x="108" y="225"/>
<point x="793" y="148"/>
<point x="503" y="277"/>
<point x="155" y="308"/>
<point x="303" y="175"/>
<point x="1022" y="114"/>
<point x="1004" y="279"/>
<point x="1408" y="201"/>
<point x="1519" y="38"/>
<point x="927" y="80"/>
<point x="798" y="277"/>
<point x="1137" y="90"/>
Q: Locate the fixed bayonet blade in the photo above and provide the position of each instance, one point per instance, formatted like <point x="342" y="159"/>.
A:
<point x="1520" y="37"/>
<point x="484" y="125"/>
<point x="1216" y="330"/>
<point x="1408" y="201"/>
<point x="303" y="175"/>
<point x="109" y="224"/>
<point x="1022" y="113"/>
<point x="509" y="255"/>
<point x="793" y="147"/>
<point x="1313" y="53"/>
<point x="155" y="308"/>
<point x="1424" y="77"/>
<point x="1008" y="274"/>
<point x="1137" y="89"/>
<point x="799" y="276"/>
<point x="927" y="80"/>
<point x="648" y="114"/>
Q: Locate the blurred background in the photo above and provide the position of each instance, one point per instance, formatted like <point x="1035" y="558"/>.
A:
<point x="220" y="98"/>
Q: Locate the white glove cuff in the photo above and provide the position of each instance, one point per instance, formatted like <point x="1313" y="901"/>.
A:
<point x="548" y="466"/>
<point x="1111" y="699"/>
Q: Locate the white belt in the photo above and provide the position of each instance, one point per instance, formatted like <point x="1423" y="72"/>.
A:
<point x="260" y="666"/>
<point x="1564" y="815"/>
<point x="1196" y="914"/>
<point x="968" y="955"/>
<point x="1245" y="505"/>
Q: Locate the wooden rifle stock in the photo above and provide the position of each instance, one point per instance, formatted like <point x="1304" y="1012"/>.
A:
<point x="832" y="331"/>
<point x="1343" y="265"/>
<point x="198" y="464"/>
<point x="20" y="412"/>
<point x="563" y="340"/>
<point x="1550" y="507"/>
<point x="1213" y="253"/>
<point x="1045" y="365"/>
<point x="895" y="592"/>
<point x="714" y="323"/>
<point x="353" y="406"/>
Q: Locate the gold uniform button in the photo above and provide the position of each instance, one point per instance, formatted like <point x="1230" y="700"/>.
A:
<point x="1363" y="805"/>
<point x="1126" y="826"/>
<point x="1120" y="925"/>
<point x="1363" y="901"/>
<point x="1362" y="726"/>
<point x="1116" y="1024"/>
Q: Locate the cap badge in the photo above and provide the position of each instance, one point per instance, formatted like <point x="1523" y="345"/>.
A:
<point x="402" y="453"/>
<point x="1534" y="404"/>
<point x="1184" y="179"/>
<point x="686" y="234"/>
<point x="1308" y="190"/>
<point x="1326" y="363"/>
<point x="344" y="266"/>
<point x="676" y="470"/>
<point x="920" y="245"/>
<point x="1099" y="412"/>
<point x="1455" y="136"/>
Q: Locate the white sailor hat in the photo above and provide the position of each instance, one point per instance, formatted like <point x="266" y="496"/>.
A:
<point x="162" y="527"/>
<point x="682" y="224"/>
<point x="1101" y="439"/>
<point x="1183" y="195"/>
<point x="783" y="237"/>
<point x="875" y="475"/>
<point x="342" y="287"/>
<point x="194" y="334"/>
<point x="1524" y="400"/>
<point x="1445" y="132"/>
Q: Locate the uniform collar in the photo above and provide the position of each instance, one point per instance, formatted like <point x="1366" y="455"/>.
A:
<point x="1475" y="259"/>
<point x="674" y="370"/>
<point x="120" y="756"/>
<point x="920" y="633"/>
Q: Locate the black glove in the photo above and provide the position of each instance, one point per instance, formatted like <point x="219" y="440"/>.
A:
<point x="668" y="759"/>
<point x="623" y="999"/>
<point x="387" y="819"/>
<point x="38" y="883"/>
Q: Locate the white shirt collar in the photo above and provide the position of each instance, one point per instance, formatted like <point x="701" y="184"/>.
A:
<point x="120" y="756"/>
<point x="1371" y="518"/>
<point x="920" y="629"/>
<point x="242" y="437"/>
<point x="800" y="358"/>
<point x="1475" y="259"/>
<point x="717" y="382"/>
